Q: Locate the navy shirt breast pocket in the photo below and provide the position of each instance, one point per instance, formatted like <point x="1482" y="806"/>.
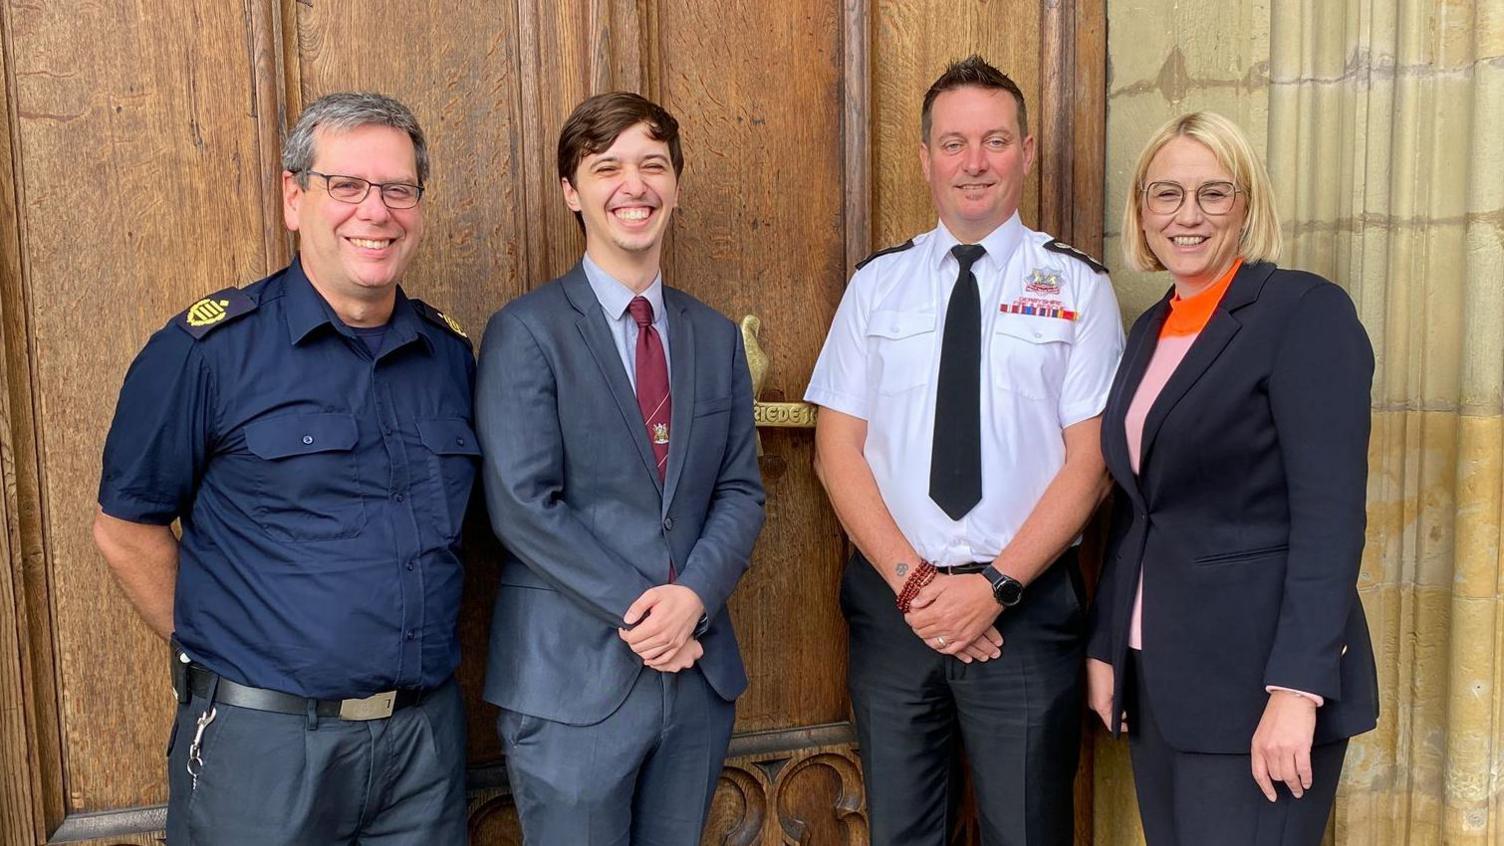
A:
<point x="307" y="477"/>
<point x="454" y="455"/>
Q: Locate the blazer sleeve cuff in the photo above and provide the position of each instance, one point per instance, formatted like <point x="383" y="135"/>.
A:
<point x="1318" y="699"/>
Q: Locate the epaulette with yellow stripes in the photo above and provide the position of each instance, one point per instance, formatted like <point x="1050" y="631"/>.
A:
<point x="433" y="315"/>
<point x="214" y="311"/>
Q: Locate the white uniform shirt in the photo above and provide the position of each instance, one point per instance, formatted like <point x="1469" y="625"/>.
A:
<point x="1051" y="340"/>
<point x="614" y="298"/>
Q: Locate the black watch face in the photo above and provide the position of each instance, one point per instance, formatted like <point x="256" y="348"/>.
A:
<point x="1008" y="591"/>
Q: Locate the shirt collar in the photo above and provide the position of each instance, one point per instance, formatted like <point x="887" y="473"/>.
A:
<point x="614" y="297"/>
<point x="306" y="310"/>
<point x="999" y="243"/>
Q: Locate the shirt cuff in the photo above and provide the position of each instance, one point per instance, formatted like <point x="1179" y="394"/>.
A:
<point x="844" y="403"/>
<point x="133" y="509"/>
<point x="1319" y="700"/>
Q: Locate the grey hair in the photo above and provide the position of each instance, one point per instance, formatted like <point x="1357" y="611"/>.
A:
<point x="341" y="112"/>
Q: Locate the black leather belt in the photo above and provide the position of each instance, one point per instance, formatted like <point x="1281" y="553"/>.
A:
<point x="376" y="707"/>
<point x="962" y="569"/>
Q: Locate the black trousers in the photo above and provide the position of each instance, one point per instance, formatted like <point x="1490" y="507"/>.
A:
<point x="1200" y="799"/>
<point x="272" y="779"/>
<point x="1017" y="717"/>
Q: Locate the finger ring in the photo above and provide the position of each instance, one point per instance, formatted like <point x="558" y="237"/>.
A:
<point x="941" y="641"/>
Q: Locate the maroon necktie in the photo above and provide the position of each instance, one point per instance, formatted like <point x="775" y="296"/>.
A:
<point x="652" y="381"/>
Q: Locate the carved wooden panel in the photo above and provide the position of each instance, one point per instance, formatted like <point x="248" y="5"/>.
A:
<point x="137" y="169"/>
<point x="29" y="728"/>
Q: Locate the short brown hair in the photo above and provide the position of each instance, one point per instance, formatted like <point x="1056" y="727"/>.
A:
<point x="972" y="72"/>
<point x="595" y="124"/>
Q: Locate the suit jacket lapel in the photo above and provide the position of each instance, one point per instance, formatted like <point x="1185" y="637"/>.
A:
<point x="1135" y="364"/>
<point x="681" y="343"/>
<point x="597" y="335"/>
<point x="1218" y="333"/>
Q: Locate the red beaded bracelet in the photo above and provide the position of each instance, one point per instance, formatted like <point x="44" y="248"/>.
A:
<point x="922" y="575"/>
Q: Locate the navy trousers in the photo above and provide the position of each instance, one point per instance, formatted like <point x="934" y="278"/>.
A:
<point x="1200" y="799"/>
<point x="271" y="779"/>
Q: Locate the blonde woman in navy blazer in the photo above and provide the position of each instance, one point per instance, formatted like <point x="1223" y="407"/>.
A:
<point x="1227" y="634"/>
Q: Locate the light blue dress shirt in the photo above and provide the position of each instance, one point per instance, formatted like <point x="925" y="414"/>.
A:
<point x="614" y="298"/>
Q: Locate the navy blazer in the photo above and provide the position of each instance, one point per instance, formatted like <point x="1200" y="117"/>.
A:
<point x="574" y="495"/>
<point x="1247" y="515"/>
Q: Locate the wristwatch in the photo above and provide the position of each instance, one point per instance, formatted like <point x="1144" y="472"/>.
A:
<point x="1005" y="589"/>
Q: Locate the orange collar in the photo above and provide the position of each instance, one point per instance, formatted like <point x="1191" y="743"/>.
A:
<point x="1189" y="316"/>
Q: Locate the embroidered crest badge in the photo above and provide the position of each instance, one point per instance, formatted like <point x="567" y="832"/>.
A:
<point x="660" y="433"/>
<point x="1042" y="281"/>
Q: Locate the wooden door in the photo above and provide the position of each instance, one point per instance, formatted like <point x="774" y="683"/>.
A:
<point x="139" y="171"/>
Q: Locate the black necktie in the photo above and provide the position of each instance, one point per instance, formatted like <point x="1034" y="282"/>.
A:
<point x="956" y="455"/>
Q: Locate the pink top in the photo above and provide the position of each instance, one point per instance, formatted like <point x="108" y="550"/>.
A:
<point x="1167" y="356"/>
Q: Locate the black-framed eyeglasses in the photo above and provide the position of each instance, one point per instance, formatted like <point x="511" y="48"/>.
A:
<point x="1214" y="198"/>
<point x="353" y="190"/>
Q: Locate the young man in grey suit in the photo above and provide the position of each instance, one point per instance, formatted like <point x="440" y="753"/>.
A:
<point x="615" y="416"/>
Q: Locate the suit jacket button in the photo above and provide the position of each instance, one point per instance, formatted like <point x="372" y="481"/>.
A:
<point x="668" y="524"/>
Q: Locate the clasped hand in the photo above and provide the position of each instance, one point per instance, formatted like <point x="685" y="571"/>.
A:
<point x="954" y="615"/>
<point x="662" y="622"/>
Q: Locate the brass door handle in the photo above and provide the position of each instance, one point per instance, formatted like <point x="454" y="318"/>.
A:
<point x="783" y="415"/>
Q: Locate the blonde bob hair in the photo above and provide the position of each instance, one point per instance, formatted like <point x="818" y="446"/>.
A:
<point x="1260" y="238"/>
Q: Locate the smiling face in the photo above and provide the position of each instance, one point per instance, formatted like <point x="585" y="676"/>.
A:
<point x="974" y="160"/>
<point x="625" y="195"/>
<point x="1195" y="247"/>
<point x="355" y="251"/>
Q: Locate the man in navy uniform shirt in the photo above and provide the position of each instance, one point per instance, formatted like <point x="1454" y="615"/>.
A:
<point x="313" y="433"/>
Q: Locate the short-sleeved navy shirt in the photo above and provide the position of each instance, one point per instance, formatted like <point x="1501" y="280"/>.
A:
<point x="321" y="488"/>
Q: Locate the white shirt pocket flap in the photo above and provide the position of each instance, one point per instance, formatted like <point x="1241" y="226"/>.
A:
<point x="1036" y="329"/>
<point x="900" y="324"/>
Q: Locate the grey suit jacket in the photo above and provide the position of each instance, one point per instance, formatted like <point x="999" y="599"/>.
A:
<point x="574" y="496"/>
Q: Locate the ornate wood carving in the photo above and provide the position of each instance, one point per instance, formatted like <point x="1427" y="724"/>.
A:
<point x="801" y="787"/>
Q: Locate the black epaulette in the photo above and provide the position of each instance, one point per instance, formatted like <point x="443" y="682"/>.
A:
<point x="214" y="311"/>
<point x="897" y="248"/>
<point x="439" y="318"/>
<point x="1067" y="250"/>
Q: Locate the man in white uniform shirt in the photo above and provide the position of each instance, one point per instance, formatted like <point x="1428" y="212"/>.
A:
<point x="960" y="386"/>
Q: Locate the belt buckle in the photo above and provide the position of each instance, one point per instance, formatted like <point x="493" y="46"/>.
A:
<point x="377" y="707"/>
